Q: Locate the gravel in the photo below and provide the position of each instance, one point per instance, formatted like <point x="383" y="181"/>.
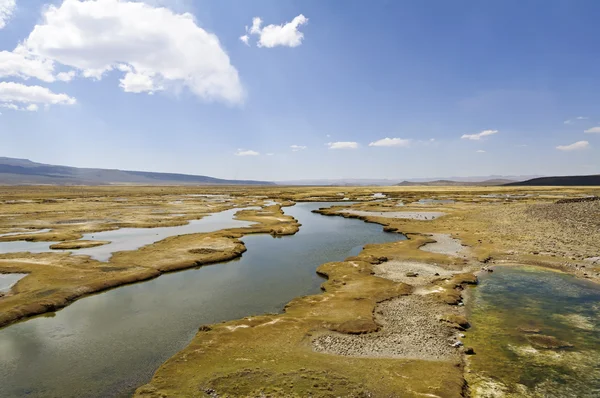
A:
<point x="411" y="328"/>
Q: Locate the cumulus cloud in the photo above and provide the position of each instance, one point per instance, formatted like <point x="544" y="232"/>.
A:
<point x="480" y="151"/>
<point x="397" y="142"/>
<point x="246" y="152"/>
<point x="478" y="136"/>
<point x="296" y="148"/>
<point x="245" y="39"/>
<point x="286" y="35"/>
<point x="7" y="7"/>
<point x="154" y="47"/>
<point x="575" y="146"/>
<point x="21" y="97"/>
<point x="592" y="130"/>
<point x="342" y="145"/>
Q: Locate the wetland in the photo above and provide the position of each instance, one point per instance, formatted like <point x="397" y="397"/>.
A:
<point x="297" y="291"/>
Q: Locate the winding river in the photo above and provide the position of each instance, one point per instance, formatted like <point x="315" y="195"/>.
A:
<point x="108" y="344"/>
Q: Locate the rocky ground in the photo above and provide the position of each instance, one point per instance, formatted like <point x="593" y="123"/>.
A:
<point x="568" y="232"/>
<point x="411" y="327"/>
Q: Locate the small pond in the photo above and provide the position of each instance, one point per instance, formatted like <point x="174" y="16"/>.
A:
<point x="536" y="333"/>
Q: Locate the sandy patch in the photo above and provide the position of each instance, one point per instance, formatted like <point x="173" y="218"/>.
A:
<point x="445" y="244"/>
<point x="397" y="271"/>
<point x="411" y="328"/>
<point x="409" y="215"/>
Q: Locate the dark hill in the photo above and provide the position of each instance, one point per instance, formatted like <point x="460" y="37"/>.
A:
<point x="23" y="172"/>
<point x="592" y="180"/>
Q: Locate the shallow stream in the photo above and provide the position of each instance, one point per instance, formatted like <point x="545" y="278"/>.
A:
<point x="108" y="344"/>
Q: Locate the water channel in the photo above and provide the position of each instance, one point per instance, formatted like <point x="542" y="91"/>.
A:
<point x="108" y="344"/>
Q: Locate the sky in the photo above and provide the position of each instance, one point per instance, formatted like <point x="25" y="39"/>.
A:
<point x="310" y="89"/>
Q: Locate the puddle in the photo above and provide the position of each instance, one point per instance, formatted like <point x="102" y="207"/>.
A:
<point x="8" y="280"/>
<point x="524" y="323"/>
<point x="124" y="239"/>
<point x="108" y="344"/>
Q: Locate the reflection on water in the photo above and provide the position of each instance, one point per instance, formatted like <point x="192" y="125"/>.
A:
<point x="524" y="320"/>
<point x="134" y="238"/>
<point x="108" y="344"/>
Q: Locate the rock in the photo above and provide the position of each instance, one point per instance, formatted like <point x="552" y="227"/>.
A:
<point x="469" y="351"/>
<point x="456" y="344"/>
<point x="412" y="274"/>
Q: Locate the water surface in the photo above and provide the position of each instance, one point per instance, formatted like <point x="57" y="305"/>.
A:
<point x="512" y="306"/>
<point x="108" y="344"/>
<point x="8" y="280"/>
<point x="133" y="238"/>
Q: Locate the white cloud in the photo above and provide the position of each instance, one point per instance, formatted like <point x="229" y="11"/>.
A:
<point x="12" y="94"/>
<point x="480" y="151"/>
<point x="296" y="148"/>
<point x="575" y="146"/>
<point x="138" y="83"/>
<point x="19" y="63"/>
<point x="278" y="35"/>
<point x="342" y="145"/>
<point x="593" y="130"/>
<point x="245" y="39"/>
<point x="7" y="7"/>
<point x="478" y="136"/>
<point x="246" y="152"/>
<point x="28" y="108"/>
<point x="155" y="48"/>
<point x="397" y="142"/>
<point x="66" y="76"/>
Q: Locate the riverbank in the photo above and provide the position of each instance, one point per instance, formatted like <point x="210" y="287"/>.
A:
<point x="278" y="355"/>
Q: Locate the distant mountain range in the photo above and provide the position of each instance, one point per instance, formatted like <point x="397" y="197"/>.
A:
<point x="457" y="181"/>
<point x="446" y="183"/>
<point x="25" y="172"/>
<point x="591" y="180"/>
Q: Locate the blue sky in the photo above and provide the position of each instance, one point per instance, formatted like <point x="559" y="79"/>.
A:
<point x="431" y="76"/>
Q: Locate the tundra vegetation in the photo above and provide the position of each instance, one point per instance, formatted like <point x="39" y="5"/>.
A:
<point x="391" y="321"/>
